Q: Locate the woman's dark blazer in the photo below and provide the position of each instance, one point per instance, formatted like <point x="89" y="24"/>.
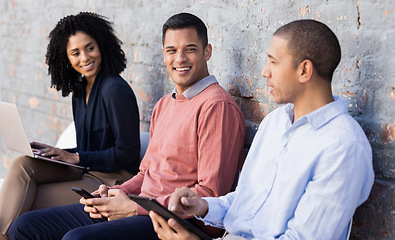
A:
<point x="107" y="129"/>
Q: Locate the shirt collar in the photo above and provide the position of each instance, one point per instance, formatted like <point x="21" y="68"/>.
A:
<point x="321" y="116"/>
<point x="196" y="88"/>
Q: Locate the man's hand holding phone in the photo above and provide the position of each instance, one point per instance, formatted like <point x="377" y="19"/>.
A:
<point x="102" y="191"/>
<point x="109" y="203"/>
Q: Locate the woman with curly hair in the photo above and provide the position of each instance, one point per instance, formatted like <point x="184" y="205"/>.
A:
<point x="84" y="58"/>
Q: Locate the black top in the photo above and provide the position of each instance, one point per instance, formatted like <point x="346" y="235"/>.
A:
<point x="107" y="129"/>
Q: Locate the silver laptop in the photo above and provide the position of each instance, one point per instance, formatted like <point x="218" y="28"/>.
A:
<point x="15" y="135"/>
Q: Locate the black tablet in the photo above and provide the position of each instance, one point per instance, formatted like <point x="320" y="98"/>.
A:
<point x="151" y="204"/>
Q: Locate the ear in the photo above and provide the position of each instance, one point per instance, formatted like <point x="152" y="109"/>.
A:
<point x="207" y="51"/>
<point x="305" y="70"/>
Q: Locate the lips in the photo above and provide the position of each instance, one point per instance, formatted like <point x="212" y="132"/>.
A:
<point x="182" y="69"/>
<point x="88" y="66"/>
<point x="271" y="88"/>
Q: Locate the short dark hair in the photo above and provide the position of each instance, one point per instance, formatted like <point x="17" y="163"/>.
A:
<point x="186" y="20"/>
<point x="63" y="75"/>
<point x="313" y="40"/>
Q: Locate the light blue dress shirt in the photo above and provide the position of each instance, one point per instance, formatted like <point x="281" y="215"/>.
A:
<point x="301" y="180"/>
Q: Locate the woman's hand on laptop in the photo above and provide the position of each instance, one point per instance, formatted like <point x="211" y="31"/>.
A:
<point x="54" y="153"/>
<point x="37" y="146"/>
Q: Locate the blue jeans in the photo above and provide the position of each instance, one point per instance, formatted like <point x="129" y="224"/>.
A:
<point x="71" y="222"/>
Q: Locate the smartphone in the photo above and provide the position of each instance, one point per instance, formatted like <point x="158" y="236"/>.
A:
<point x="151" y="204"/>
<point x="82" y="192"/>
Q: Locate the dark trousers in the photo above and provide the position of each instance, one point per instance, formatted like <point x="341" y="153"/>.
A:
<point x="72" y="223"/>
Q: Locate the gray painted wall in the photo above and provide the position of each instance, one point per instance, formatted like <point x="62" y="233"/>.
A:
<point x="240" y="32"/>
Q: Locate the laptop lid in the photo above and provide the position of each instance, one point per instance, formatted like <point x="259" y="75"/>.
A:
<point x="13" y="131"/>
<point x="15" y="135"/>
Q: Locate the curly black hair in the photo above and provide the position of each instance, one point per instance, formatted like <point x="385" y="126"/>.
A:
<point x="63" y="75"/>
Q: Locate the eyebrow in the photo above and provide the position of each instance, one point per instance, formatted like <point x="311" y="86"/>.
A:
<point x="271" y="56"/>
<point x="189" y="45"/>
<point x="75" y="49"/>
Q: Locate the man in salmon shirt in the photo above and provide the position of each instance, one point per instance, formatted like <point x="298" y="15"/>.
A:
<point x="196" y="141"/>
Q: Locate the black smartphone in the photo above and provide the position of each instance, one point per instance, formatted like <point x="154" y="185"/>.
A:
<point x="82" y="192"/>
<point x="151" y="204"/>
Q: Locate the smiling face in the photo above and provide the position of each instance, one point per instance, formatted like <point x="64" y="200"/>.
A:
<point x="281" y="73"/>
<point x="84" y="55"/>
<point x="185" y="57"/>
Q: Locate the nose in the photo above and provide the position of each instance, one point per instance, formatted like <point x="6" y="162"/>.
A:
<point x="181" y="57"/>
<point x="84" y="56"/>
<point x="265" y="72"/>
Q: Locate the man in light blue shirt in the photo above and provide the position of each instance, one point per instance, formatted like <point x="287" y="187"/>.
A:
<point x="310" y="163"/>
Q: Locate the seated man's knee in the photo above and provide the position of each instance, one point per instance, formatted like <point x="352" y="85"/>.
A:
<point x="24" y="226"/>
<point x="76" y="234"/>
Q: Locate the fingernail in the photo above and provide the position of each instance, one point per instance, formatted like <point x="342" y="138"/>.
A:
<point x="171" y="223"/>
